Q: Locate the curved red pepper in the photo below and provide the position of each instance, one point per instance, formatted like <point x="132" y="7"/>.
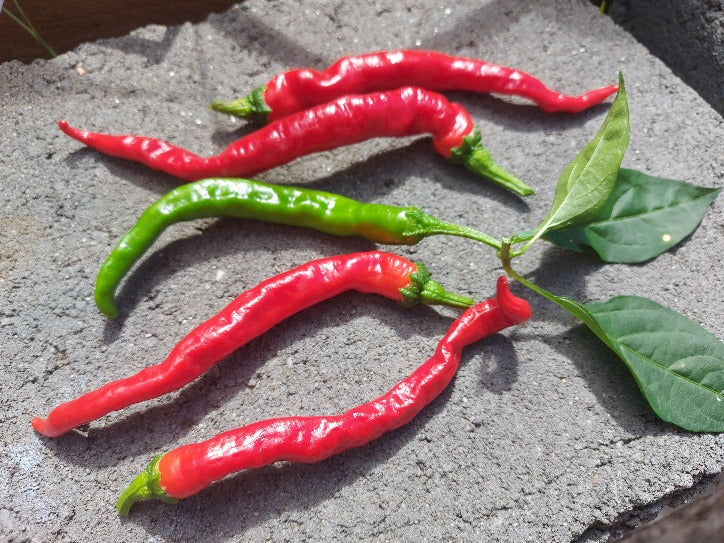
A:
<point x="350" y="119"/>
<point x="248" y="316"/>
<point x="300" y="89"/>
<point x="185" y="471"/>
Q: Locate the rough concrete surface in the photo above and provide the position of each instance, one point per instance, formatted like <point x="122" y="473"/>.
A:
<point x="542" y="436"/>
<point x="687" y="36"/>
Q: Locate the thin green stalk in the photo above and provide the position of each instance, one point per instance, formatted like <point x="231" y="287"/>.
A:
<point x="505" y="258"/>
<point x="24" y="22"/>
<point x="469" y="233"/>
<point x="422" y="224"/>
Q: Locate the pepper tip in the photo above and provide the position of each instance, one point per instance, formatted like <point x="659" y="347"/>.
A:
<point x="107" y="306"/>
<point x="72" y="132"/>
<point x="40" y="425"/>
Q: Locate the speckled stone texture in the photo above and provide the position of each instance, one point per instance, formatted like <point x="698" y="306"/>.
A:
<point x="687" y="36"/>
<point x="542" y="436"/>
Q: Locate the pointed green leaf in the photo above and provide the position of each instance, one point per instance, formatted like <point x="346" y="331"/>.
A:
<point x="587" y="181"/>
<point x="521" y="237"/>
<point x="677" y="364"/>
<point x="643" y="217"/>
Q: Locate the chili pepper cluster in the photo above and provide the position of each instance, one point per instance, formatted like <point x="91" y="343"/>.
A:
<point x="375" y="95"/>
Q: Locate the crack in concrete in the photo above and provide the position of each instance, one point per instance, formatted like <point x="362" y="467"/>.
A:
<point x="628" y="520"/>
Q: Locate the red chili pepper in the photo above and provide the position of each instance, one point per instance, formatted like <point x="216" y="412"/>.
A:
<point x="350" y="119"/>
<point x="250" y="315"/>
<point x="185" y="471"/>
<point x="296" y="90"/>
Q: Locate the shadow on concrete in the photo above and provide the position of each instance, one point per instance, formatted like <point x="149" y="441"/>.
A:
<point x="606" y="374"/>
<point x="499" y="370"/>
<point x="685" y="514"/>
<point x="611" y="383"/>
<point x="130" y="171"/>
<point x="219" y="239"/>
<point x="251" y="33"/>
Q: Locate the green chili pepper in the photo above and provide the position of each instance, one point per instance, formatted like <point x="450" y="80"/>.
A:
<point x="248" y="199"/>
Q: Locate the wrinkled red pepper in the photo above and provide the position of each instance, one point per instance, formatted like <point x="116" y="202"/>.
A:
<point x="248" y="316"/>
<point x="403" y="112"/>
<point x="185" y="471"/>
<point x="300" y="89"/>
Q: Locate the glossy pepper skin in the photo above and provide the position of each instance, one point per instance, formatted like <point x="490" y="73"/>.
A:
<point x="350" y="119"/>
<point x="248" y="316"/>
<point x="186" y="470"/>
<point x="300" y="89"/>
<point x="281" y="204"/>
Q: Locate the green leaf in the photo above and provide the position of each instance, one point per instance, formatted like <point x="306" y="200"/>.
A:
<point x="643" y="217"/>
<point x="587" y="181"/>
<point x="677" y="364"/>
<point x="521" y="237"/>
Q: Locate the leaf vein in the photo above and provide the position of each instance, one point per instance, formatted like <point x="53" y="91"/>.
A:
<point x="680" y="376"/>
<point x="642" y="215"/>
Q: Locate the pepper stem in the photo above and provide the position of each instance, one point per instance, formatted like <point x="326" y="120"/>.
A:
<point x="476" y="158"/>
<point x="252" y="107"/>
<point x="145" y="486"/>
<point x="420" y="224"/>
<point x="423" y="289"/>
<point x="433" y="293"/>
<point x="240" y="107"/>
<point x="505" y="258"/>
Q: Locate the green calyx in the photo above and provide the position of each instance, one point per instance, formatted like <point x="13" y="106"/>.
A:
<point x="146" y="486"/>
<point x="423" y="289"/>
<point x="475" y="157"/>
<point x="252" y="107"/>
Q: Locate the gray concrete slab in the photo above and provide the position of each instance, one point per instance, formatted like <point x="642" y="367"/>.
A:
<point x="542" y="436"/>
<point x="687" y="36"/>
